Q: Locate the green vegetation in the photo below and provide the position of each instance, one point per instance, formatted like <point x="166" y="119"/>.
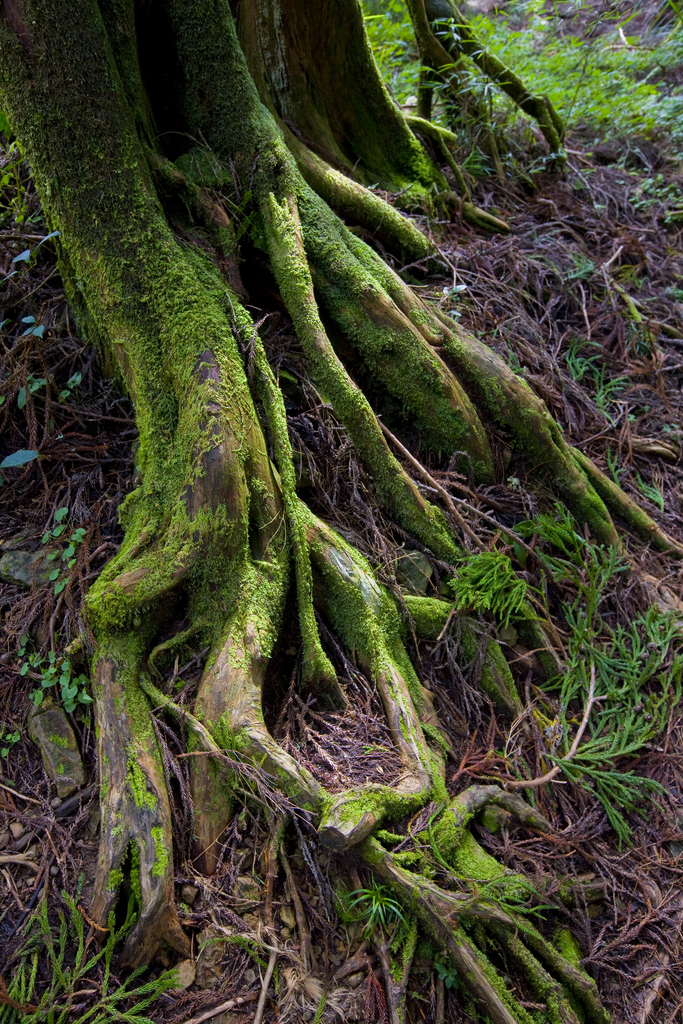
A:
<point x="606" y="85"/>
<point x="52" y="670"/>
<point x="486" y="582"/>
<point x="376" y="908"/>
<point x="631" y="676"/>
<point x="71" y="965"/>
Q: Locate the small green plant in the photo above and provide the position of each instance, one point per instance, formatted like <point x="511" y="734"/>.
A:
<point x="68" y="553"/>
<point x="33" y="384"/>
<point x="53" y="671"/>
<point x="605" y="390"/>
<point x="118" y="1001"/>
<point x="486" y="582"/>
<point x="8" y="738"/>
<point x="377" y="908"/>
<point x="652" y="492"/>
<point x="448" y="975"/>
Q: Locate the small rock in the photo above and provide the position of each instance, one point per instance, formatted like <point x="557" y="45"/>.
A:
<point x="50" y="729"/>
<point x="251" y="920"/>
<point x="212" y="948"/>
<point x="56" y="802"/>
<point x="23" y="567"/>
<point x="287" y="915"/>
<point x="4" y="839"/>
<point x="17" y="829"/>
<point x="285" y="933"/>
<point x="188" y="894"/>
<point x="54" y="871"/>
<point x="246" y="893"/>
<point x="509" y="635"/>
<point x="187" y="971"/>
<point x="354" y="980"/>
<point x="250" y="976"/>
<point x="413" y="572"/>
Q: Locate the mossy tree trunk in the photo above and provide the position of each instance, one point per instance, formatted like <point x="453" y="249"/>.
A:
<point x="145" y="122"/>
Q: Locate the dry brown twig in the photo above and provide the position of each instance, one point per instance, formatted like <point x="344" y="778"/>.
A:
<point x="554" y="772"/>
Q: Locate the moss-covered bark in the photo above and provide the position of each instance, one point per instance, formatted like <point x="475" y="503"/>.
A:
<point x="110" y="114"/>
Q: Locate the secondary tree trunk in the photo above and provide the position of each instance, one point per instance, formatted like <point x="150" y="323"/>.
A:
<point x="169" y="140"/>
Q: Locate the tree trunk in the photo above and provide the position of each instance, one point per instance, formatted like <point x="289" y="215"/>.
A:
<point x="167" y="145"/>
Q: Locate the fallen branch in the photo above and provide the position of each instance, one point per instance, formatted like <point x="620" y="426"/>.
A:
<point x="223" y="1008"/>
<point x="258" y="1016"/>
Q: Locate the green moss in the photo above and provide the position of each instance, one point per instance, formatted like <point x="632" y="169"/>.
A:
<point x="161" y="853"/>
<point x="135" y="873"/>
<point x="137" y="783"/>
<point x="114" y="880"/>
<point x="429" y="615"/>
<point x="566" y="944"/>
<point x="66" y="742"/>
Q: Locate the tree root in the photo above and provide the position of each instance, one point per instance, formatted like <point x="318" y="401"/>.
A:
<point x="627" y="508"/>
<point x="395" y="486"/>
<point x="136" y="821"/>
<point x="358" y="205"/>
<point x="317" y="669"/>
<point x="475" y="216"/>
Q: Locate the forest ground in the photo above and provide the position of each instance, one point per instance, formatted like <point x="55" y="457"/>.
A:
<point x="585" y="299"/>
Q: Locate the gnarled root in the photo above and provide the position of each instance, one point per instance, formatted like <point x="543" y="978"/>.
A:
<point x="136" y="828"/>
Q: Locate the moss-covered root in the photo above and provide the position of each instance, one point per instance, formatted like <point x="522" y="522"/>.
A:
<point x="396" y="971"/>
<point x="439" y="912"/>
<point x="366" y="619"/>
<point x="357" y="205"/>
<point x="544" y="986"/>
<point x="430" y="617"/>
<point x="136" y="833"/>
<point x="440" y="137"/>
<point x="229" y="706"/>
<point x="396" y="488"/>
<point x="627" y="508"/>
<point x="509" y="401"/>
<point x="317" y="670"/>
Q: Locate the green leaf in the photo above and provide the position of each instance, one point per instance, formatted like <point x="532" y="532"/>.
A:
<point x="61" y="513"/>
<point x="54" y="574"/>
<point x="46" y="537"/>
<point x="18" y="458"/>
<point x="59" y="530"/>
<point x="59" y="587"/>
<point x="24" y="669"/>
<point x="84" y="698"/>
<point x="68" y="552"/>
<point x="23" y="257"/>
<point x="21" y="398"/>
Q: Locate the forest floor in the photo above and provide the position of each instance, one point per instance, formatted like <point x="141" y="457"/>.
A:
<point x="584" y="298"/>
